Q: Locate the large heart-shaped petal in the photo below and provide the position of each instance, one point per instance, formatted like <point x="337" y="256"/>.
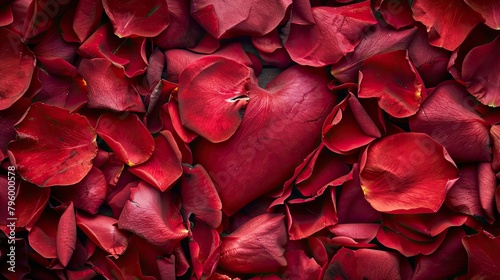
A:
<point x="60" y="145"/>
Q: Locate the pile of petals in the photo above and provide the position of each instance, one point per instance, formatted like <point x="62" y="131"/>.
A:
<point x="250" y="139"/>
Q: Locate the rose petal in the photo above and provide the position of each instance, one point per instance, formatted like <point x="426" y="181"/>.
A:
<point x="87" y="18"/>
<point x="300" y="266"/>
<point x="489" y="10"/>
<point x="138" y="17"/>
<point x="127" y="136"/>
<point x="66" y="235"/>
<point x="18" y="64"/>
<point x="398" y="173"/>
<point x="402" y="91"/>
<point x="482" y="250"/>
<point x="336" y="32"/>
<point x="8" y="118"/>
<point x="61" y="145"/>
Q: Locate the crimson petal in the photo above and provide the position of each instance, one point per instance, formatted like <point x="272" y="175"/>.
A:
<point x="481" y="73"/>
<point x="482" y="250"/>
<point x="137" y="17"/>
<point x="153" y="215"/>
<point x="256" y="246"/>
<point x="61" y="145"/>
<point x="402" y="90"/>
<point x="398" y="173"/>
<point x="336" y="32"/>
<point x="163" y="168"/>
<point x="454" y="132"/>
<point x="8" y="118"/>
<point x="489" y="9"/>
<point x="214" y="110"/>
<point x="18" y="64"/>
<point x="66" y="235"/>
<point x="448" y="21"/>
<point x="127" y="136"/>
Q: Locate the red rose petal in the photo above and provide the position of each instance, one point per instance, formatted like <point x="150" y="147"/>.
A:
<point x="199" y="196"/>
<point x="61" y="146"/>
<point x="489" y="10"/>
<point x="107" y="86"/>
<point x="481" y="73"/>
<point x="448" y="22"/>
<point x="127" y="137"/>
<point x="66" y="235"/>
<point x="153" y="215"/>
<point x="18" y="64"/>
<point x="103" y="231"/>
<point x="454" y="132"/>
<point x="396" y="13"/>
<point x="8" y="118"/>
<point x="87" y="18"/>
<point x="399" y="172"/>
<point x="88" y="195"/>
<point x="336" y="32"/>
<point x="204" y="248"/>
<point x="482" y="250"/>
<point x="214" y="110"/>
<point x="300" y="266"/>
<point x="42" y="237"/>
<point x="256" y="246"/>
<point x="402" y="90"/>
<point x="148" y="19"/>
<point x="225" y="19"/>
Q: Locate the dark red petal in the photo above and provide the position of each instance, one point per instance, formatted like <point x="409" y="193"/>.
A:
<point x="453" y="132"/>
<point x="482" y="249"/>
<point x="256" y="246"/>
<point x="447" y="261"/>
<point x="363" y="233"/>
<point x="153" y="215"/>
<point x="103" y="231"/>
<point x="336" y="32"/>
<point x="350" y="126"/>
<point x="488" y="9"/>
<point x="87" y="18"/>
<point x="66" y="235"/>
<point x="199" y="196"/>
<point x="366" y="264"/>
<point x="378" y="40"/>
<point x="127" y="136"/>
<point x="225" y="19"/>
<point x="18" y="64"/>
<point x="481" y="73"/>
<point x="308" y="217"/>
<point x="495" y="141"/>
<point x="214" y="110"/>
<point x="300" y="266"/>
<point x="108" y="88"/>
<point x="88" y="195"/>
<point x="238" y="166"/>
<point x="8" y="118"/>
<point x="474" y="193"/>
<point x="163" y="168"/>
<point x="396" y="13"/>
<point x="148" y="19"/>
<point x="204" y="248"/>
<point x="61" y="145"/>
<point x="398" y="173"/>
<point x="42" y="237"/>
<point x="402" y="90"/>
<point x="448" y="22"/>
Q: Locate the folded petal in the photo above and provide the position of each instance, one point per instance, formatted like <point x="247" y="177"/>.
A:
<point x="481" y="73"/>
<point x="103" y="231"/>
<point x="42" y="237"/>
<point x="300" y="266"/>
<point x="402" y="90"/>
<point x="406" y="173"/>
<point x="87" y="17"/>
<point x="204" y="247"/>
<point x="61" y="145"/>
<point x="225" y="19"/>
<point x="163" y="168"/>
<point x="127" y="136"/>
<point x="396" y="13"/>
<point x="107" y="86"/>
<point x="482" y="250"/>
<point x="214" y="110"/>
<point x="256" y="246"/>
<point x="448" y="22"/>
<point x="153" y="216"/>
<point x="66" y="235"/>
<point x="446" y="115"/>
<point x="199" y="196"/>
<point x="488" y="9"/>
<point x="18" y="64"/>
<point x="336" y="32"/>
<point x="8" y="118"/>
<point x="137" y="18"/>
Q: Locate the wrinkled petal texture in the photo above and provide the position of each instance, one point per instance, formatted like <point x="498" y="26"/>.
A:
<point x="406" y="173"/>
<point x="61" y="146"/>
<point x="336" y="32"/>
<point x="394" y="81"/>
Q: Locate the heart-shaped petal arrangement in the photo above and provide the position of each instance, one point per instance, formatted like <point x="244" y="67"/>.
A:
<point x="249" y="139"/>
